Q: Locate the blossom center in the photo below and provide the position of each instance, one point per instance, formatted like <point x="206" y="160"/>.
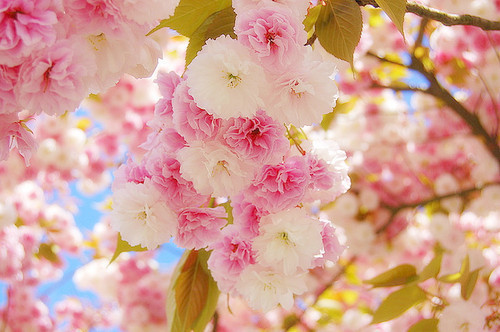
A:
<point x="13" y="14"/>
<point x="298" y="88"/>
<point x="233" y="80"/>
<point x="143" y="216"/>
<point x="46" y="78"/>
<point x="221" y="166"/>
<point x="254" y="133"/>
<point x="96" y="40"/>
<point x="464" y="327"/>
<point x="283" y="236"/>
<point x="270" y="37"/>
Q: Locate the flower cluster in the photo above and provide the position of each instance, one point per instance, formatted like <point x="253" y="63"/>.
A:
<point x="220" y="172"/>
<point x="54" y="53"/>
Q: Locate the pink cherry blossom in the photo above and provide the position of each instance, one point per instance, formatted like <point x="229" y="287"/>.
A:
<point x="329" y="179"/>
<point x="25" y="311"/>
<point x="276" y="36"/>
<point x="167" y="82"/>
<point x="8" y="79"/>
<point x="129" y="172"/>
<point x="25" y="26"/>
<point x="96" y="16"/>
<point x="282" y="186"/>
<point x="199" y="227"/>
<point x="177" y="191"/>
<point x="167" y="140"/>
<point x="305" y="92"/>
<point x="141" y="215"/>
<point x="11" y="254"/>
<point x="332" y="249"/>
<point x="15" y="134"/>
<point x="192" y="122"/>
<point x="229" y="257"/>
<point x="246" y="216"/>
<point x="288" y="241"/>
<point x="214" y="169"/>
<point x="53" y="80"/>
<point x="259" y="139"/>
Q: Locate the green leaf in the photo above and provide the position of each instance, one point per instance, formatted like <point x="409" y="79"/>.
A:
<point x="396" y="10"/>
<point x="396" y="276"/>
<point x="192" y="295"/>
<point x="327" y="120"/>
<point x="124" y="246"/>
<point x="229" y="210"/>
<point x="340" y="108"/>
<point x="425" y="325"/>
<point x="49" y="252"/>
<point x="460" y="275"/>
<point x="190" y="14"/>
<point x="217" y="24"/>
<point x="338" y="28"/>
<point x="398" y="302"/>
<point x="468" y="283"/>
<point x="432" y="269"/>
<point x="312" y="16"/>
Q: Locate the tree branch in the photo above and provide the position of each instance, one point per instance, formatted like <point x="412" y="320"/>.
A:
<point x="396" y="209"/>
<point x="400" y="87"/>
<point x="435" y="89"/>
<point x="421" y="32"/>
<point x="440" y="16"/>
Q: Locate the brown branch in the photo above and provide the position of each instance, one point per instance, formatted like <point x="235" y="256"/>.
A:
<point x="440" y="16"/>
<point x="385" y="59"/>
<point x="421" y="32"/>
<point x="311" y="39"/>
<point x="437" y="90"/>
<point x="399" y="87"/>
<point x="325" y="286"/>
<point x="396" y="209"/>
<point x="215" y="321"/>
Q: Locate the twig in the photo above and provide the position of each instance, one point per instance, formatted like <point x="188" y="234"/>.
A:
<point x="440" y="16"/>
<point x="396" y="209"/>
<point x="435" y="89"/>
<point x="451" y="19"/>
<point x="421" y="32"/>
<point x="215" y="321"/>
<point x="311" y="39"/>
<point x="400" y="87"/>
<point x="385" y="59"/>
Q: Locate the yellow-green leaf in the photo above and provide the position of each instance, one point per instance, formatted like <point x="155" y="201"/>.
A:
<point x="312" y="16"/>
<point x="396" y="276"/>
<point x="340" y="108"/>
<point x="190" y="14"/>
<point x="467" y="284"/>
<point x="432" y="269"/>
<point x="49" y="252"/>
<point x="229" y="210"/>
<point x="124" y="246"/>
<point x="217" y="24"/>
<point x="398" y="302"/>
<point x="396" y="10"/>
<point x="425" y="325"/>
<point x="457" y="277"/>
<point x="193" y="294"/>
<point x="338" y="28"/>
